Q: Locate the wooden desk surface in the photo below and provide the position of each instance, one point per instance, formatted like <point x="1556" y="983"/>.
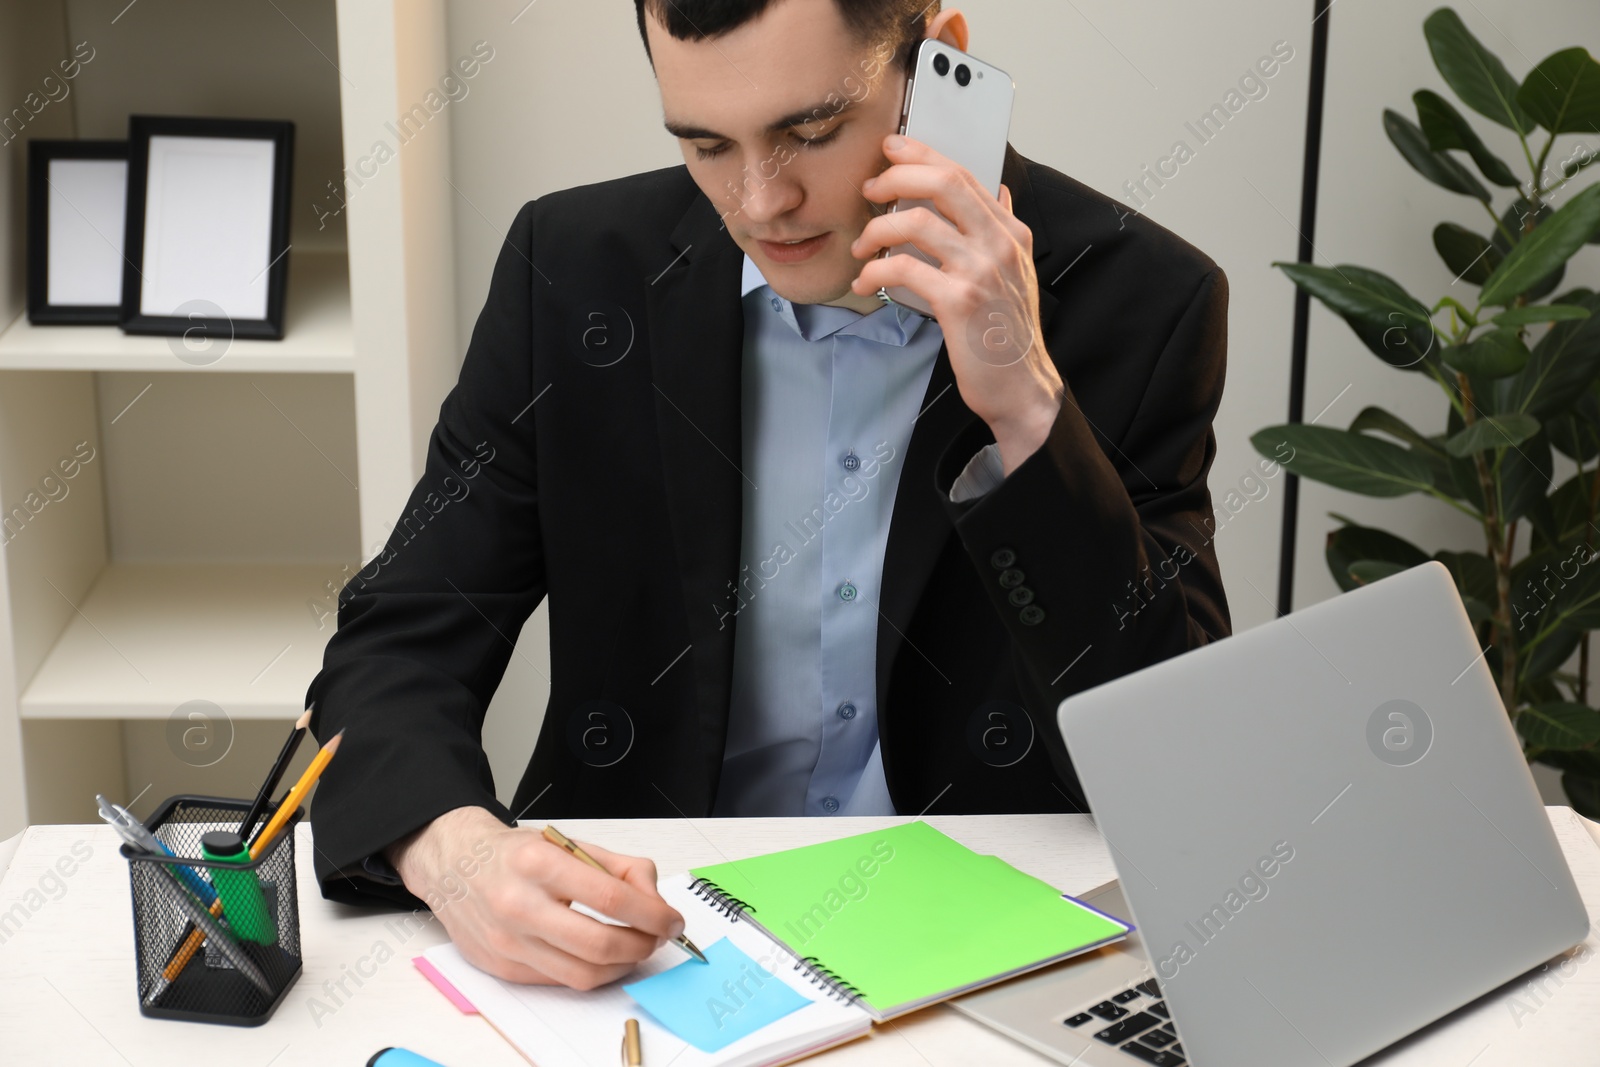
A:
<point x="67" y="990"/>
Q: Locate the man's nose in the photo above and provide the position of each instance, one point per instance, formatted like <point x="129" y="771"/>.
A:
<point x="761" y="199"/>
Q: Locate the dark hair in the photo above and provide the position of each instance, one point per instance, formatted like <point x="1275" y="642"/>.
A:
<point x="898" y="22"/>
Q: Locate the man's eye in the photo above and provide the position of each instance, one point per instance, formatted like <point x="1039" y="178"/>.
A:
<point x="710" y="153"/>
<point x="817" y="142"/>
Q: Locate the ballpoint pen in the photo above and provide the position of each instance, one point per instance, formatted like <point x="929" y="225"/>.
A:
<point x="218" y="936"/>
<point x="561" y="840"/>
<point x="134" y="833"/>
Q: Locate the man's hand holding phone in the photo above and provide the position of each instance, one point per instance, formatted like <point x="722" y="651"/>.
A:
<point x="512" y="917"/>
<point x="984" y="292"/>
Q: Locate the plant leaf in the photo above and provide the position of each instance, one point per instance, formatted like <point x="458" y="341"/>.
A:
<point x="1549" y="246"/>
<point x="1524" y="316"/>
<point x="1476" y="74"/>
<point x="1496" y="354"/>
<point x="1471" y="257"/>
<point x="1562" y="93"/>
<point x="1576" y="431"/>
<point x="1352" y="543"/>
<point x="1492" y="431"/>
<point x="1475" y="581"/>
<point x="1547" y="657"/>
<point x="1389" y="320"/>
<point x="1437" y="167"/>
<point x="1570" y="507"/>
<point x="1584" y="792"/>
<point x="1446" y="128"/>
<point x="1352" y="461"/>
<point x="1515" y="218"/>
<point x="1526" y="473"/>
<point x="1560" y="725"/>
<point x="1375" y="418"/>
<point x="1563" y="364"/>
<point x="1367" y="571"/>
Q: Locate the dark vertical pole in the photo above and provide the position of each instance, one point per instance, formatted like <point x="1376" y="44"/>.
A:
<point x="1302" y="299"/>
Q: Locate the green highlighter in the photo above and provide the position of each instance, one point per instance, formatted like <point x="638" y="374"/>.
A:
<point x="243" y="903"/>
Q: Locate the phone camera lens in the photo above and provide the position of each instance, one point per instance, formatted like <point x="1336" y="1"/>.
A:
<point x="941" y="65"/>
<point x="963" y="74"/>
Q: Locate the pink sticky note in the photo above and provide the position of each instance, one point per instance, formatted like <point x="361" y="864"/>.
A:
<point x="431" y="973"/>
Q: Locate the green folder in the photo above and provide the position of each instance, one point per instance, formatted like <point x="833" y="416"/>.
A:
<point x="901" y="918"/>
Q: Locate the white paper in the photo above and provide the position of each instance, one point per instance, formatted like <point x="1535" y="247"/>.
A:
<point x="559" y="1027"/>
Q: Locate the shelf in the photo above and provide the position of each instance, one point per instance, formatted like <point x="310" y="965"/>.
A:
<point x="317" y="334"/>
<point x="151" y="636"/>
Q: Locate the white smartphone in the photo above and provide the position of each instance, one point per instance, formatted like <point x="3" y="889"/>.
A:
<point x="961" y="108"/>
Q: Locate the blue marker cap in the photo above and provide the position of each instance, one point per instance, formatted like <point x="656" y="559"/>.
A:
<point x="399" y="1057"/>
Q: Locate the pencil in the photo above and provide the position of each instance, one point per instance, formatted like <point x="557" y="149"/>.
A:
<point x="258" y="846"/>
<point x="561" y="840"/>
<point x="274" y="776"/>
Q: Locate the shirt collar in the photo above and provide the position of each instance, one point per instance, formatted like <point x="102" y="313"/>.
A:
<point x="893" y="324"/>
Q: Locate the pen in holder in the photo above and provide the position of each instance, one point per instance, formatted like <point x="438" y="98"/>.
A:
<point x="210" y="964"/>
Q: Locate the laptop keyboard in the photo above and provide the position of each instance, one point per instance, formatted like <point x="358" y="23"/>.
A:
<point x="1136" y="1021"/>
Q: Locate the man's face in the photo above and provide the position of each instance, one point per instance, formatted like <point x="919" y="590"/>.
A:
<point x="780" y="121"/>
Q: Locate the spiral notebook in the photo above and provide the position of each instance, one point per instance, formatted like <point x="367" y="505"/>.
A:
<point x="863" y="928"/>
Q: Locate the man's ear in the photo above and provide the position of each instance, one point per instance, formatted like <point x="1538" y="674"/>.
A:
<point x="950" y="26"/>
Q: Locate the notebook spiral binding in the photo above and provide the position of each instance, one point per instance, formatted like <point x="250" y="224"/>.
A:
<point x="817" y="974"/>
<point x="719" y="898"/>
<point x="835" y="985"/>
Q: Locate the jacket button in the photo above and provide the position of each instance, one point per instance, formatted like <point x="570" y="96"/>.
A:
<point x="1002" y="559"/>
<point x="1032" y="615"/>
<point x="1010" y="579"/>
<point x="1021" y="596"/>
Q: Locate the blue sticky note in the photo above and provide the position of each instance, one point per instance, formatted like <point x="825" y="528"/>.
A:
<point x="711" y="1005"/>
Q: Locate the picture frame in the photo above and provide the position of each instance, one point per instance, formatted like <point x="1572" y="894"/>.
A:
<point x="77" y="200"/>
<point x="207" y="226"/>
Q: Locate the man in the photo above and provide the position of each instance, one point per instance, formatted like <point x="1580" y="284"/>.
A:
<point x="805" y="553"/>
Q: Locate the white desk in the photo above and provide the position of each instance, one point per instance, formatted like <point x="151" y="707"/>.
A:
<point x="67" y="992"/>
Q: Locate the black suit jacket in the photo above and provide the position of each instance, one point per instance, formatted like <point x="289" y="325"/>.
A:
<point x="589" y="453"/>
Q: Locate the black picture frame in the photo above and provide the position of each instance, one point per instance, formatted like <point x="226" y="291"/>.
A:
<point x="191" y="316"/>
<point x="41" y="311"/>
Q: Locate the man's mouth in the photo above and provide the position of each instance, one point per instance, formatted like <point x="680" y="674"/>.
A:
<point x="794" y="251"/>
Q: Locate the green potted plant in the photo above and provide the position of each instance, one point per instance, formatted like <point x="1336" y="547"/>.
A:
<point x="1522" y="379"/>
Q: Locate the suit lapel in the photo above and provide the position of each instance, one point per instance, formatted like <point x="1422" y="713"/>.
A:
<point x="919" y="527"/>
<point x="696" y="336"/>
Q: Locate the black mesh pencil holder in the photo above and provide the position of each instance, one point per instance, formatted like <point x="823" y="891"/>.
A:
<point x="238" y="967"/>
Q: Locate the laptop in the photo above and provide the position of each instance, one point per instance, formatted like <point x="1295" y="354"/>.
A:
<point x="1324" y="832"/>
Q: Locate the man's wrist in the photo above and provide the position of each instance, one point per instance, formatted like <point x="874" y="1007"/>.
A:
<point x="1021" y="437"/>
<point x="415" y="856"/>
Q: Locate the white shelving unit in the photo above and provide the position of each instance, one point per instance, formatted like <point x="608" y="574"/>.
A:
<point x="197" y="553"/>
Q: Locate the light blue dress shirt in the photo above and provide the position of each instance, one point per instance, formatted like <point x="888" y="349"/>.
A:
<point x="829" y="398"/>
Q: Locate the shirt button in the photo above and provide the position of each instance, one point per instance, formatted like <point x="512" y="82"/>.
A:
<point x="1032" y="615"/>
<point x="847" y="710"/>
<point x="847" y="592"/>
<point x="1011" y="579"/>
<point x="777" y="304"/>
<point x="851" y="462"/>
<point x="1002" y="559"/>
<point x="830" y="804"/>
<point x="1021" y="596"/>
